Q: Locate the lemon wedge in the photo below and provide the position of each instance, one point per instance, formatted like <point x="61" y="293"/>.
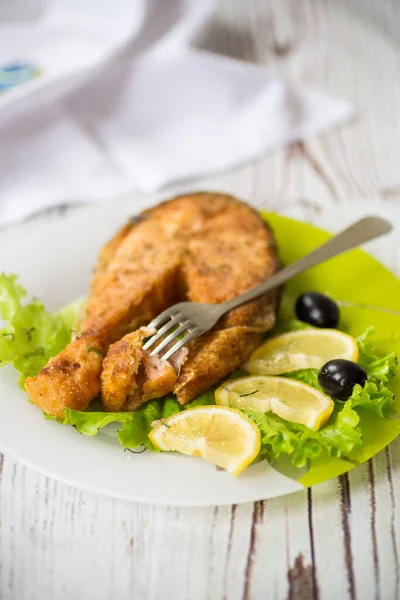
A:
<point x="289" y="399"/>
<point x="222" y="436"/>
<point x="304" y="349"/>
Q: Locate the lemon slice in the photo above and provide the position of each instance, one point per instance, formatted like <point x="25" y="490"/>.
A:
<point x="289" y="399"/>
<point x="223" y="436"/>
<point x="304" y="349"/>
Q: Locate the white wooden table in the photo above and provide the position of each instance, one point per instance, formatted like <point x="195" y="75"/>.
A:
<point x="339" y="540"/>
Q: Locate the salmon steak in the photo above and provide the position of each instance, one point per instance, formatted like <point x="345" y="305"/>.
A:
<point x="202" y="247"/>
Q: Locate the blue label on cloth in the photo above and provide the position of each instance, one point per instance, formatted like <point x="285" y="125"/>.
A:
<point x="14" y="74"/>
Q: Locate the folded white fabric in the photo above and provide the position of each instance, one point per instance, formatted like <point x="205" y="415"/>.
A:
<point x="102" y="98"/>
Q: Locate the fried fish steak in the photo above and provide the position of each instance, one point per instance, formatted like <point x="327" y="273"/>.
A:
<point x="204" y="247"/>
<point x="231" y="253"/>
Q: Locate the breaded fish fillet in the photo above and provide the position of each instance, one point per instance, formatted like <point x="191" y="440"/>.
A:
<point x="231" y="253"/>
<point x="202" y="247"/>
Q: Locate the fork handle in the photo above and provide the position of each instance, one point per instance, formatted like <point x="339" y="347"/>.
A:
<point x="362" y="231"/>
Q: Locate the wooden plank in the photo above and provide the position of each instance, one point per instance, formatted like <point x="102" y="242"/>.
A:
<point x="333" y="562"/>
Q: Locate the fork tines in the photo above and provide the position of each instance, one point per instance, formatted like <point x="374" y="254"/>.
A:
<point x="173" y="325"/>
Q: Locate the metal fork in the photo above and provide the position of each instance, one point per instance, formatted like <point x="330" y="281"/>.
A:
<point x="191" y="319"/>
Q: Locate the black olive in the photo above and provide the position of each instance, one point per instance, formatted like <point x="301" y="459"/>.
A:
<point x="318" y="310"/>
<point x="338" y="377"/>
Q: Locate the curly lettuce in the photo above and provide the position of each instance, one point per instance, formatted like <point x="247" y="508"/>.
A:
<point x="31" y="335"/>
<point x="338" y="438"/>
<point x="135" y="426"/>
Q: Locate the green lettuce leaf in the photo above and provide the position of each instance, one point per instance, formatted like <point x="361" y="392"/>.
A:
<point x="135" y="426"/>
<point x="170" y="407"/>
<point x="381" y="369"/>
<point x="376" y="396"/>
<point x="339" y="438"/>
<point x="31" y="335"/>
<point x="308" y="376"/>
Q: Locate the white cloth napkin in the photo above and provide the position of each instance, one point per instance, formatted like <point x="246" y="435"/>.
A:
<point x="121" y="101"/>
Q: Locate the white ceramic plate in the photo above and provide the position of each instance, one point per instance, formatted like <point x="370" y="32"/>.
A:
<point x="54" y="263"/>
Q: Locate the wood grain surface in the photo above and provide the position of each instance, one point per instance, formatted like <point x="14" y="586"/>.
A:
<point x="340" y="540"/>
